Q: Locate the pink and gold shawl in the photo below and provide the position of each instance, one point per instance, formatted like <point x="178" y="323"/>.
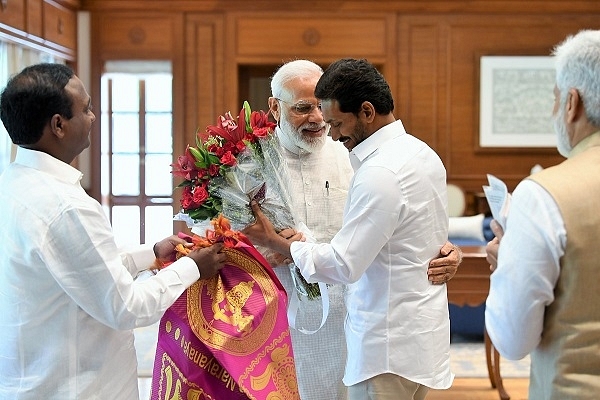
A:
<point x="227" y="337"/>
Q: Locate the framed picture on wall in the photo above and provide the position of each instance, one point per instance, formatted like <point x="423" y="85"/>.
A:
<point x="516" y="101"/>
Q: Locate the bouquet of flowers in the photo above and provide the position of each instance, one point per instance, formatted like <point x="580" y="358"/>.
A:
<point x="236" y="161"/>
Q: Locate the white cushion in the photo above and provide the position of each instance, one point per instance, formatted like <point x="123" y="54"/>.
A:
<point x="466" y="227"/>
<point x="456" y="200"/>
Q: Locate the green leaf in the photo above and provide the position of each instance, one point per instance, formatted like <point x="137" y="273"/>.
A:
<point x="247" y="114"/>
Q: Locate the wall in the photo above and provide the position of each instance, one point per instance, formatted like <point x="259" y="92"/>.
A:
<point x="429" y="52"/>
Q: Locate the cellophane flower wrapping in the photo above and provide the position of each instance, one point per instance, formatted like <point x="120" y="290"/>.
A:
<point x="234" y="162"/>
<point x="258" y="175"/>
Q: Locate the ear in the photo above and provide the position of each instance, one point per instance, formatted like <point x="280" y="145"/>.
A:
<point x="57" y="126"/>
<point x="274" y="108"/>
<point x="574" y="106"/>
<point x="368" y="110"/>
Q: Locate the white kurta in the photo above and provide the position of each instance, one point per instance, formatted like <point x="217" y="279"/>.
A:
<point x="68" y="301"/>
<point x="320" y="358"/>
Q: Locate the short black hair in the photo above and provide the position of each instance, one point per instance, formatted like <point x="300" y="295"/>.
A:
<point x="32" y="97"/>
<point x="351" y="82"/>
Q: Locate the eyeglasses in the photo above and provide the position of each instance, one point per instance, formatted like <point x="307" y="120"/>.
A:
<point x="302" y="107"/>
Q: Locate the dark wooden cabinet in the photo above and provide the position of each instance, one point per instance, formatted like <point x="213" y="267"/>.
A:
<point x="47" y="25"/>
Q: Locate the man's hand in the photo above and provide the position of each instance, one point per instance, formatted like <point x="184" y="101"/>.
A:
<point x="277" y="259"/>
<point x="262" y="233"/>
<point x="491" y="248"/>
<point x="209" y="260"/>
<point x="444" y="267"/>
<point x="165" y="249"/>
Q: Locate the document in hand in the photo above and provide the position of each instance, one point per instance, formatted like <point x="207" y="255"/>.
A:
<point x="498" y="198"/>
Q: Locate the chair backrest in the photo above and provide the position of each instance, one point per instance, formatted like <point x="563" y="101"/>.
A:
<point x="456" y="200"/>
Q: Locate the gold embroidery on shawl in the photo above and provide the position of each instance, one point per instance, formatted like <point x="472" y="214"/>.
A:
<point x="166" y="391"/>
<point x="235" y="299"/>
<point x="281" y="370"/>
<point x="254" y="334"/>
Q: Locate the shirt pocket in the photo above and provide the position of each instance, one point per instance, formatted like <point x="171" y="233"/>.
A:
<point x="335" y="200"/>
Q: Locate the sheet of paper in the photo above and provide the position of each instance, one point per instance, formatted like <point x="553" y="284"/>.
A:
<point x="498" y="198"/>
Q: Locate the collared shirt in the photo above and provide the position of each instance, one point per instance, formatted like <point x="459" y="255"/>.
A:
<point x="395" y="222"/>
<point x="319" y="186"/>
<point x="68" y="299"/>
<point x="528" y="268"/>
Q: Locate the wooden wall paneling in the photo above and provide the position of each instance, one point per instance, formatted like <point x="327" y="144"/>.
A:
<point x="389" y="66"/>
<point x="127" y="35"/>
<point x="231" y="82"/>
<point x="514" y="7"/>
<point x="420" y="59"/>
<point x="261" y="42"/>
<point x="204" y="73"/>
<point x="439" y="62"/>
<point x="286" y="35"/>
<point x="470" y="38"/>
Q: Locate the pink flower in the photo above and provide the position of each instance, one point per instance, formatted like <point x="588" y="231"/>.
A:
<point x="228" y="159"/>
<point x="226" y="128"/>
<point x="213" y="170"/>
<point x="187" y="200"/>
<point x="185" y="166"/>
<point x="261" y="132"/>
<point x="240" y="146"/>
<point x="260" y="119"/>
<point x="200" y="196"/>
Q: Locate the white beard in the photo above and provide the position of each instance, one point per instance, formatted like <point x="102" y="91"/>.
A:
<point x="563" y="143"/>
<point x="294" y="135"/>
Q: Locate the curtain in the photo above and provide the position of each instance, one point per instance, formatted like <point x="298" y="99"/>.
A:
<point x="13" y="58"/>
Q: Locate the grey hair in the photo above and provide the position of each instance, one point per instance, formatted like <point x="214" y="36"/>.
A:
<point x="577" y="62"/>
<point x="292" y="70"/>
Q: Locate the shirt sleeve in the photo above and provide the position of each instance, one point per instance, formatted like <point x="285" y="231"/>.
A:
<point x="82" y="256"/>
<point x="528" y="268"/>
<point x="137" y="258"/>
<point x="372" y="214"/>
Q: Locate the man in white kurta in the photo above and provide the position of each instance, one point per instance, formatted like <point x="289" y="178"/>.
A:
<point x="68" y="299"/>
<point x="319" y="172"/>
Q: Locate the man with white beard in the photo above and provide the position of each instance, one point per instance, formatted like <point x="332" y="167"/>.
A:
<point x="544" y="289"/>
<point x="320" y="174"/>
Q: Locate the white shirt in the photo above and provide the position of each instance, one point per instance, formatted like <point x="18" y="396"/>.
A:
<point x="395" y="222"/>
<point x="319" y="186"/>
<point x="68" y="299"/>
<point x="528" y="268"/>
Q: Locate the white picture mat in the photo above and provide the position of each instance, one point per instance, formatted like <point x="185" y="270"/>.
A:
<point x="516" y="101"/>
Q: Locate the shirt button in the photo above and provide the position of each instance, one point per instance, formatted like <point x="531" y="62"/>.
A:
<point x="309" y="203"/>
<point x="307" y="183"/>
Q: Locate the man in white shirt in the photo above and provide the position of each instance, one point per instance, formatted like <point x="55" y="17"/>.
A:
<point x="68" y="299"/>
<point x="544" y="292"/>
<point x="397" y="323"/>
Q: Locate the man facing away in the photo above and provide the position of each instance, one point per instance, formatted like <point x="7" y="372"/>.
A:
<point x="68" y="299"/>
<point x="382" y="250"/>
<point x="544" y="292"/>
